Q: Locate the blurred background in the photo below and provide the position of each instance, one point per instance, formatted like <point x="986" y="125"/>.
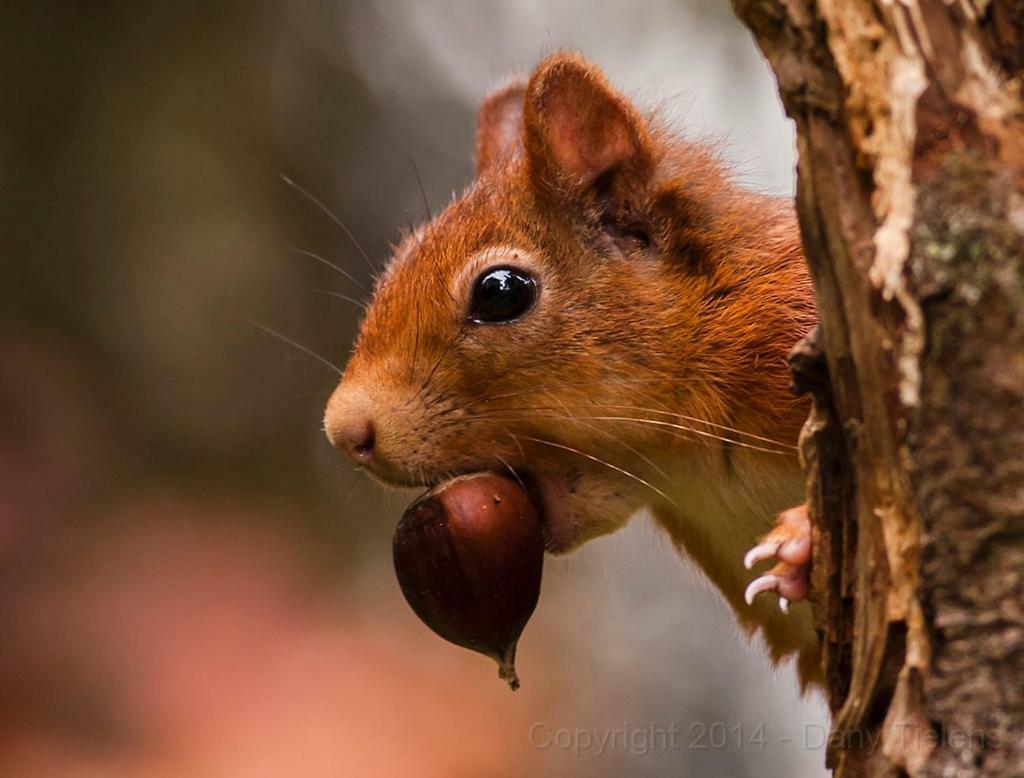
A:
<point x="192" y="582"/>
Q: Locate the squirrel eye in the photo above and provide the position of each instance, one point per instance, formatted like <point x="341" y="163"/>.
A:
<point x="501" y="294"/>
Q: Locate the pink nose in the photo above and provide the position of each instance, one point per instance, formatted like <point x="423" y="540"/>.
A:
<point x="349" y="425"/>
<point x="357" y="439"/>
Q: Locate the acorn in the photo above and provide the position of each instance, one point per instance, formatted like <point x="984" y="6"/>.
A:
<point x="469" y="555"/>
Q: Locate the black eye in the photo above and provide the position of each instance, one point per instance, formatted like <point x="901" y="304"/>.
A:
<point x="501" y="294"/>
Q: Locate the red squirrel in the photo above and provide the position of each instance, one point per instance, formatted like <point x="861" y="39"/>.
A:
<point x="607" y="315"/>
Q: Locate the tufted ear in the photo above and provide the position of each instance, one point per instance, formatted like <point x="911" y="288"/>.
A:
<point x="499" y="124"/>
<point x="579" y="131"/>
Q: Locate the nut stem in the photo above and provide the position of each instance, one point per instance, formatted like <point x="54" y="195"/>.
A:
<point x="507" y="667"/>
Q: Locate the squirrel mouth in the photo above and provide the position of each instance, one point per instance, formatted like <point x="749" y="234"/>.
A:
<point x="546" y="494"/>
<point x="536" y="496"/>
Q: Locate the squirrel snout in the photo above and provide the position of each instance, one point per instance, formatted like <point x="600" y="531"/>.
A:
<point x="349" y="424"/>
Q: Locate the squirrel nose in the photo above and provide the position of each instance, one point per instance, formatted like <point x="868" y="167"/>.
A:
<point x="356" y="437"/>
<point x="350" y="427"/>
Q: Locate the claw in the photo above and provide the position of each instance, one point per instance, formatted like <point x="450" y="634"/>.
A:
<point x="789" y="545"/>
<point x="759" y="585"/>
<point x="760" y="553"/>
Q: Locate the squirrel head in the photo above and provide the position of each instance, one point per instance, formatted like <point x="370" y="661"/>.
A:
<point x="598" y="290"/>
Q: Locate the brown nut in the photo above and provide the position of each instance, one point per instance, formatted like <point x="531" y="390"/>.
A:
<point x="469" y="555"/>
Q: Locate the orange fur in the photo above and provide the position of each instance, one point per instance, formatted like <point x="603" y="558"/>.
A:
<point x="667" y="295"/>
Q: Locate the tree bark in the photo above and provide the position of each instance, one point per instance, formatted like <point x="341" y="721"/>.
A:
<point x="910" y="128"/>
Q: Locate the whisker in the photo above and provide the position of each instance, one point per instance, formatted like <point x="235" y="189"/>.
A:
<point x="666" y="412"/>
<point x="321" y="478"/>
<point x="609" y="435"/>
<point x="331" y="215"/>
<point x="340" y="296"/>
<point x="522" y="454"/>
<point x="626" y="446"/>
<point x="423" y="191"/>
<point x="569" y="384"/>
<point x="600" y="461"/>
<point x="512" y="471"/>
<point x="412" y="230"/>
<point x="295" y="344"/>
<point x="548" y="388"/>
<point x="441" y="278"/>
<point x="329" y="264"/>
<point x="532" y="413"/>
<point x="710" y="435"/>
<point x="451" y="344"/>
<point x="697" y="420"/>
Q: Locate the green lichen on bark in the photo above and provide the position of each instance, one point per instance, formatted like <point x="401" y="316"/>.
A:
<point x="967" y="440"/>
<point x="966" y="239"/>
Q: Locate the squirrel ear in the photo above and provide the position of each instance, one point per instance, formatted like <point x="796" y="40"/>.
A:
<point x="499" y="124"/>
<point x="578" y="128"/>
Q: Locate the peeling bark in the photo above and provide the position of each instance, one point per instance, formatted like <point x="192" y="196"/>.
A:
<point x="910" y="126"/>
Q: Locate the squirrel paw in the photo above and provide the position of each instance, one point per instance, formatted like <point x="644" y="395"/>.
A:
<point x="789" y="542"/>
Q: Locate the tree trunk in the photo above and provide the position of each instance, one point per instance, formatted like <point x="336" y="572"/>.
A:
<point x="910" y="192"/>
